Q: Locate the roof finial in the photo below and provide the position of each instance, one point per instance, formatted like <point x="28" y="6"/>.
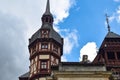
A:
<point x="107" y="20"/>
<point x="47" y="7"/>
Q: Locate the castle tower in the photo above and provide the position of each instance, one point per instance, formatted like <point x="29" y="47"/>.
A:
<point x="45" y="48"/>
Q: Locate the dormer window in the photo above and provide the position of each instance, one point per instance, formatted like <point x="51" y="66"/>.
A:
<point x="45" y="33"/>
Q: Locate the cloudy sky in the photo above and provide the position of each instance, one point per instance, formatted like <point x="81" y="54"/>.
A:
<point x="80" y="22"/>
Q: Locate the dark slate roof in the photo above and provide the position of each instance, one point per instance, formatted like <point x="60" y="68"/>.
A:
<point x="26" y="75"/>
<point x="112" y="35"/>
<point x="35" y="36"/>
<point x="53" y="34"/>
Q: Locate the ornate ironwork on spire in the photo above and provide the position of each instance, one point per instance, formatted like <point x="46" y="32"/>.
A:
<point x="107" y="21"/>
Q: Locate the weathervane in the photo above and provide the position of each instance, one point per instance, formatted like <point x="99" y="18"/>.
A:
<point x="107" y="20"/>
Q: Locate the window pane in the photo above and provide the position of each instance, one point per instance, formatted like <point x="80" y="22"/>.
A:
<point x="43" y="64"/>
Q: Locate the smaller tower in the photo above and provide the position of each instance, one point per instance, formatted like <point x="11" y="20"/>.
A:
<point x="109" y="52"/>
<point x="45" y="48"/>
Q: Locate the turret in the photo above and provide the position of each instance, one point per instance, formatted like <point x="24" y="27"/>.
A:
<point x="45" y="48"/>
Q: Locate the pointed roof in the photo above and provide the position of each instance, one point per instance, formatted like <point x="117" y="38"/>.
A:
<point x="52" y="33"/>
<point x="47" y="12"/>
<point x="112" y="35"/>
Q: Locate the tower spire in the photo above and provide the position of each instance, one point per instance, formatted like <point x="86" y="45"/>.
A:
<point x="47" y="7"/>
<point x="107" y="21"/>
<point x="47" y="16"/>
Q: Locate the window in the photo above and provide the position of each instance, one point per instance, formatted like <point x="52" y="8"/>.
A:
<point x="110" y="55"/>
<point x="45" y="34"/>
<point x="46" y="19"/>
<point x="44" y="46"/>
<point x="50" y="20"/>
<point x="43" y="64"/>
<point x="118" y="55"/>
<point x="116" y="74"/>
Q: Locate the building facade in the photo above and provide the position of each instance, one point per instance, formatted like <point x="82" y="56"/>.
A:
<point x="46" y="49"/>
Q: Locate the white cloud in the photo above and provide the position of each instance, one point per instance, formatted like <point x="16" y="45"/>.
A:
<point x="29" y="12"/>
<point x="13" y="47"/>
<point x="70" y="40"/>
<point x="111" y="18"/>
<point x="63" y="59"/>
<point x="61" y="9"/>
<point x="115" y="16"/>
<point x="89" y="49"/>
<point x="117" y="0"/>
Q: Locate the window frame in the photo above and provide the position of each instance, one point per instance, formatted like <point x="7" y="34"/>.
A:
<point x="43" y="65"/>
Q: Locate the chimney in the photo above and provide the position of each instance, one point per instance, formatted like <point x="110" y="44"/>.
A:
<point x="85" y="58"/>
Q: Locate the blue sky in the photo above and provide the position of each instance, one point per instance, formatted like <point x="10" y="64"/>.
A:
<point x="80" y="22"/>
<point x="88" y="19"/>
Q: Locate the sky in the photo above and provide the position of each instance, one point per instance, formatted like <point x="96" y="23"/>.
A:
<point x="82" y="24"/>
